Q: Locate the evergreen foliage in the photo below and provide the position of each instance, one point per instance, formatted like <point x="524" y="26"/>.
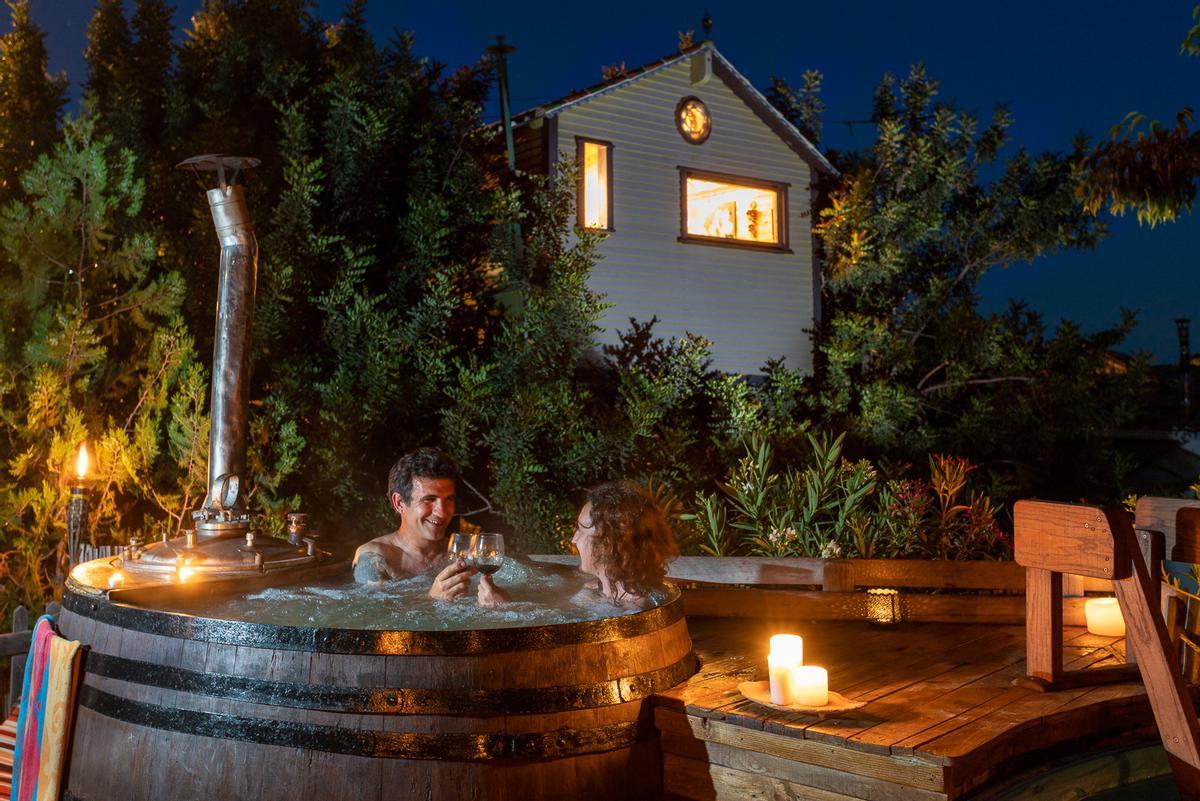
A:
<point x="396" y="308"/>
<point x="31" y="99"/>
<point x="95" y="351"/>
<point x="906" y="362"/>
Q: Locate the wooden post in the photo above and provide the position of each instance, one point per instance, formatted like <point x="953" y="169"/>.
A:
<point x="838" y="576"/>
<point x="1043" y="624"/>
<point x="16" y="671"/>
<point x="1151" y="544"/>
<point x="1169" y="695"/>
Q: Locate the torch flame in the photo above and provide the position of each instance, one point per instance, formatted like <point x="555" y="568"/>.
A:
<point x="81" y="461"/>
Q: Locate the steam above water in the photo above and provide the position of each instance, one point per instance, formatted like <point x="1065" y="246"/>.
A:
<point x="541" y="595"/>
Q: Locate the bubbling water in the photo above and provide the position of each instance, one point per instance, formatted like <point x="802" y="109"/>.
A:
<point x="541" y="595"/>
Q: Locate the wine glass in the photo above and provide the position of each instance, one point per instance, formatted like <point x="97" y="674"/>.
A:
<point x="459" y="546"/>
<point x="487" y="553"/>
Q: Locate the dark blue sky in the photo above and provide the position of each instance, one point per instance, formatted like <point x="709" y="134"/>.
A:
<point x="1061" y="67"/>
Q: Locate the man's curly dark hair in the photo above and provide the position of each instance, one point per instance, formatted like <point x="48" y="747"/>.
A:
<point x="633" y="541"/>
<point x="422" y="463"/>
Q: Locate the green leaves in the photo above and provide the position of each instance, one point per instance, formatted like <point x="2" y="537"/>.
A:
<point x="906" y="362"/>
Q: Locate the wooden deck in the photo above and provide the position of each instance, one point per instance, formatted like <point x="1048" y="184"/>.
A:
<point x="942" y="717"/>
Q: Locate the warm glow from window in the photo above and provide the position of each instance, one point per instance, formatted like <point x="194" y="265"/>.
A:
<point x="595" y="186"/>
<point x="729" y="211"/>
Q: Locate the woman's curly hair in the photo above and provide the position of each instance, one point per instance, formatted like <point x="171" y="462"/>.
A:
<point x="633" y="541"/>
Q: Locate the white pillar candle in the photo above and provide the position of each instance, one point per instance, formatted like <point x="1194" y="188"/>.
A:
<point x="780" y="673"/>
<point x="1103" y="616"/>
<point x="787" y="652"/>
<point x="810" y="686"/>
<point x="788" y="647"/>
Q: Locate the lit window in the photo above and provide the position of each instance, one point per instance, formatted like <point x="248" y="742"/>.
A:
<point x="736" y="209"/>
<point x="693" y="121"/>
<point x="595" y="184"/>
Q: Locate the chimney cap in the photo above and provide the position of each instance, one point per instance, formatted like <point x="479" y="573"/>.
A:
<point x="219" y="163"/>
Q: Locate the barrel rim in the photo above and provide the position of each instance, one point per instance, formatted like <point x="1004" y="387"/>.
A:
<point x="371" y="641"/>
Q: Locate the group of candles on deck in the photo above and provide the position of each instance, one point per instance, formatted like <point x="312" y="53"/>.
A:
<point x="794" y="683"/>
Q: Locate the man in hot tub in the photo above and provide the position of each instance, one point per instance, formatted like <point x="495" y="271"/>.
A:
<point x="421" y="488"/>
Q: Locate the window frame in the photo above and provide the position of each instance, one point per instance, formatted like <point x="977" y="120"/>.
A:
<point x="781" y="192"/>
<point x="580" y="142"/>
<point x="679" y="122"/>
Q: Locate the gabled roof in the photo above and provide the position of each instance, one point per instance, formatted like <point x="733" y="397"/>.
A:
<point x="722" y="69"/>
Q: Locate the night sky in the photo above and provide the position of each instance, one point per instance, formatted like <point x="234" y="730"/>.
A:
<point x="1061" y="67"/>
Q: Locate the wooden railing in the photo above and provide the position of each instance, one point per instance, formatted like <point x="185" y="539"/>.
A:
<point x="832" y="589"/>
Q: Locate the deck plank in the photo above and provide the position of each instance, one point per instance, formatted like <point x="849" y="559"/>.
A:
<point x="941" y="710"/>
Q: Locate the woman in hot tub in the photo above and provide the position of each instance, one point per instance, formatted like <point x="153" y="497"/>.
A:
<point x="624" y="541"/>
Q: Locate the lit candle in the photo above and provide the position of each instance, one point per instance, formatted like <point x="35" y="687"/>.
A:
<point x="787" y="653"/>
<point x="1103" y="616"/>
<point x="810" y="686"/>
<point x="883" y="606"/>
<point x="115" y="579"/>
<point x="77" y="508"/>
<point x="81" y="462"/>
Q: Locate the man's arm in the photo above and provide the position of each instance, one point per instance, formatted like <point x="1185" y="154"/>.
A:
<point x="370" y="566"/>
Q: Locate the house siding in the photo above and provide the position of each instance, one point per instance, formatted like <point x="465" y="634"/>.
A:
<point x="754" y="305"/>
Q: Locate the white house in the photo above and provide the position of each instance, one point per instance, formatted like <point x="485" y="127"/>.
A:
<point x="705" y="191"/>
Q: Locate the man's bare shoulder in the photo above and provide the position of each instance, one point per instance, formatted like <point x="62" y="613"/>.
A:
<point x="382" y="545"/>
<point x="373" y="561"/>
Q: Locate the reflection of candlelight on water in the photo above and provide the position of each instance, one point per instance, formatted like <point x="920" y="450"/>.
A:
<point x="185" y="573"/>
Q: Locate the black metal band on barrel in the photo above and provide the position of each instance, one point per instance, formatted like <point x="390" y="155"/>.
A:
<point x="377" y="744"/>
<point x="393" y="701"/>
<point x="366" y="641"/>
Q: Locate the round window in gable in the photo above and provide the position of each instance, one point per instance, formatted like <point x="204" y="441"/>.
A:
<point x="692" y="120"/>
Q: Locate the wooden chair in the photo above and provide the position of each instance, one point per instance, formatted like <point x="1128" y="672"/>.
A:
<point x="16" y="645"/>
<point x="1051" y="539"/>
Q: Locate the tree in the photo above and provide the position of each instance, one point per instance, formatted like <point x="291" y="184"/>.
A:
<point x="31" y="99"/>
<point x="1153" y="170"/>
<point x="129" y="63"/>
<point x="802" y="107"/>
<point x="906" y="362"/>
<point x="94" y="349"/>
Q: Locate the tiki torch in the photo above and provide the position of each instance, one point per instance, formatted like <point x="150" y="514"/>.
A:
<point x="77" y="509"/>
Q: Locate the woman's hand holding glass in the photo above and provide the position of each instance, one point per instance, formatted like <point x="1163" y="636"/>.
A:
<point x="486" y="555"/>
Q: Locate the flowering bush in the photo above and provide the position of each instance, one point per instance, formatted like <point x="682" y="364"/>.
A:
<point x="832" y="507"/>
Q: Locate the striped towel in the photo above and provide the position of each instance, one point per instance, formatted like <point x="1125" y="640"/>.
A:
<point x="44" y="723"/>
<point x="8" y="742"/>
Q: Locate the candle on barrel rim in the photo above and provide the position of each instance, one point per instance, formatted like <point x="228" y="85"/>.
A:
<point x="787" y="653"/>
<point x="77" y="508"/>
<point x="1103" y="616"/>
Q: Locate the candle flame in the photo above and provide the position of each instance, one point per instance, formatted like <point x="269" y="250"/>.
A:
<point x="185" y="573"/>
<point x="116" y="578"/>
<point x="81" y="461"/>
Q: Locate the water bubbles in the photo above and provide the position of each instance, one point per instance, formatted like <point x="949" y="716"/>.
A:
<point x="541" y="595"/>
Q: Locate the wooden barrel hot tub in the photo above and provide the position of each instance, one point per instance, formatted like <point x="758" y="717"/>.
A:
<point x="181" y="707"/>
